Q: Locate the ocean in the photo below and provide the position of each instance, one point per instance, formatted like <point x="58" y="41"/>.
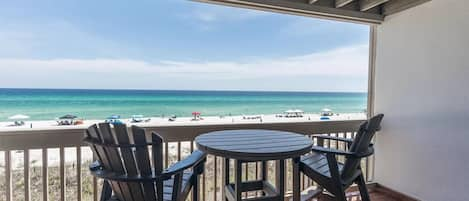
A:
<point x="48" y="104"/>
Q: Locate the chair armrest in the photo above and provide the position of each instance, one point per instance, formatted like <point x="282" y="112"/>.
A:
<point x="324" y="150"/>
<point x="325" y="137"/>
<point x="195" y="159"/>
<point x="112" y="176"/>
<point x="367" y="153"/>
<point x="97" y="170"/>
<point x="331" y="151"/>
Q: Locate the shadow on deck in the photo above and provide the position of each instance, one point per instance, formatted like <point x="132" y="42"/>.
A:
<point x="377" y="193"/>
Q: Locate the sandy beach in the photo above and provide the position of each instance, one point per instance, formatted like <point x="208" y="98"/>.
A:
<point x="181" y="121"/>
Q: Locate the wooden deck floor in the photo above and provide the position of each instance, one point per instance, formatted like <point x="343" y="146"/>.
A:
<point x="355" y="196"/>
<point x="376" y="194"/>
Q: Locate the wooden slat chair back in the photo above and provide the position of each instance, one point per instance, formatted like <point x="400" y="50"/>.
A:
<point x="361" y="145"/>
<point x="322" y="165"/>
<point x="131" y="173"/>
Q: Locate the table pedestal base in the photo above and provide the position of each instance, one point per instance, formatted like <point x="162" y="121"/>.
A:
<point x="268" y="191"/>
<point x="233" y="191"/>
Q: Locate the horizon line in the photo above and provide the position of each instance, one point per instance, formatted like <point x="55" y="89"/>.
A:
<point x="201" y="90"/>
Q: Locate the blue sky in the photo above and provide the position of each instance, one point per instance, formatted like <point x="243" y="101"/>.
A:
<point x="175" y="44"/>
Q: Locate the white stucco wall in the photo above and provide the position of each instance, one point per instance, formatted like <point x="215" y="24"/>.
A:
<point x="422" y="87"/>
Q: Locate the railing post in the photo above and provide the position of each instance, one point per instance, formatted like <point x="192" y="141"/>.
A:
<point x="215" y="178"/>
<point x="8" y="175"/>
<point x="320" y="142"/>
<point x="45" y="175"/>
<point x="95" y="184"/>
<point x="179" y="150"/>
<point x="62" y="173"/>
<point x="166" y="158"/>
<point x="27" y="183"/>
<point x="226" y="176"/>
<point x="78" y="173"/>
<point x="280" y="177"/>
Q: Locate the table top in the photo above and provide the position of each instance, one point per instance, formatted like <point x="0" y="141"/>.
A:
<point x="254" y="145"/>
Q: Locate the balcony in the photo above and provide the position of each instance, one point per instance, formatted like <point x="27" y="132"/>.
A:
<point x="418" y="63"/>
<point x="39" y="164"/>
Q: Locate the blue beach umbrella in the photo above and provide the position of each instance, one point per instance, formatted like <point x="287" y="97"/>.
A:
<point x="114" y="117"/>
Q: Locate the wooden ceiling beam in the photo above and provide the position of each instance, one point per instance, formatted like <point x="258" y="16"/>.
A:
<point x="341" y="3"/>
<point x="369" y="4"/>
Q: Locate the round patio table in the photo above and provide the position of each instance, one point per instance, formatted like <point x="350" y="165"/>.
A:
<point x="257" y="146"/>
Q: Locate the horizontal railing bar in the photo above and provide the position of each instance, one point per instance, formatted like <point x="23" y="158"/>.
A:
<point x="68" y="137"/>
<point x="38" y="139"/>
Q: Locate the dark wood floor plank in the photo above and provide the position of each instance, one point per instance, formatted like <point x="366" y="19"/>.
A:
<point x="377" y="193"/>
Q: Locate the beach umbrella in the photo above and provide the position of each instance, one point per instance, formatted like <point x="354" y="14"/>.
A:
<point x="289" y="111"/>
<point x="196" y="114"/>
<point x="114" y="117"/>
<point x="137" y="116"/>
<point x="326" y="110"/>
<point x="18" y="117"/>
<point x="298" y="111"/>
<point x="68" y="116"/>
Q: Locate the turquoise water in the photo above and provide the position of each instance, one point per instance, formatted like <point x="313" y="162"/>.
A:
<point x="47" y="104"/>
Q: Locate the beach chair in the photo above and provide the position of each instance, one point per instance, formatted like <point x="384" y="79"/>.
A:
<point x="19" y="123"/>
<point x="322" y="166"/>
<point x="133" y="171"/>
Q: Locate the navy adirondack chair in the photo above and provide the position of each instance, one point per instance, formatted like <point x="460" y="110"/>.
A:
<point x="322" y="166"/>
<point x="131" y="173"/>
